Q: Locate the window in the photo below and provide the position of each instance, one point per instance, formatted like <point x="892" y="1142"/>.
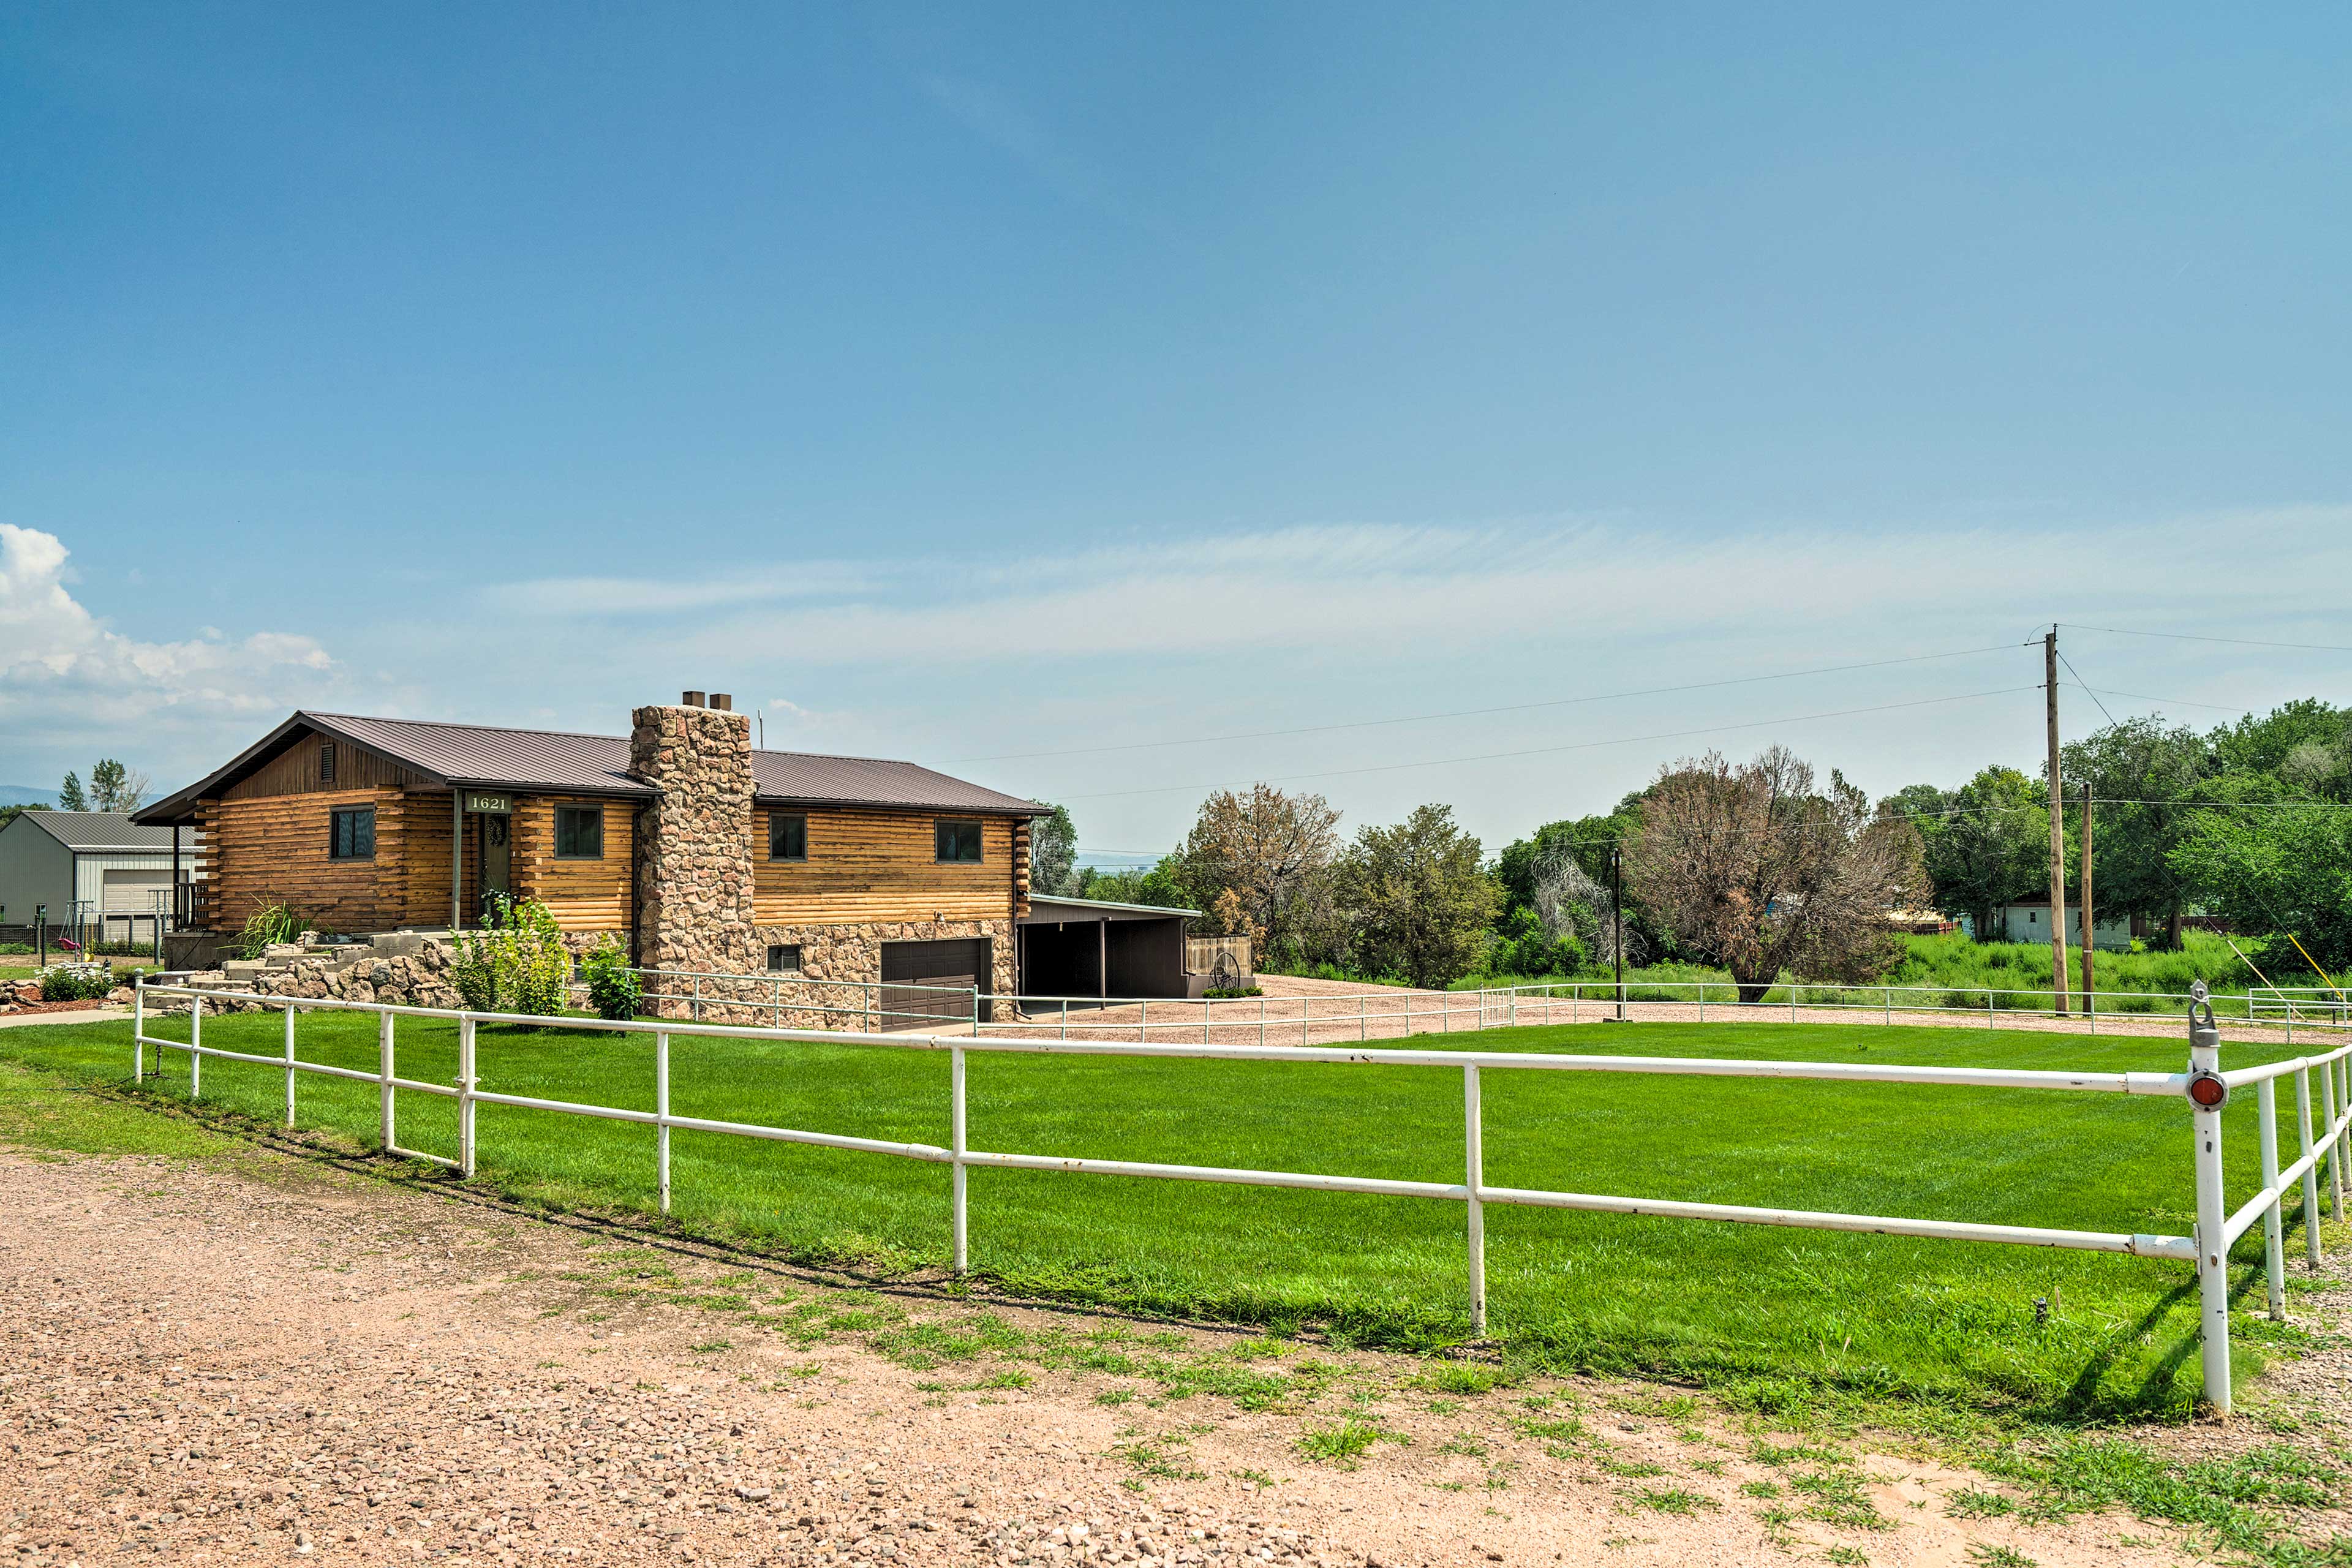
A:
<point x="352" y="837"/>
<point x="579" y="833"/>
<point x="785" y="958"/>
<point x="325" y="761"/>
<point x="787" y="837"/>
<point x="958" y="841"/>
<point x="2033" y="917"/>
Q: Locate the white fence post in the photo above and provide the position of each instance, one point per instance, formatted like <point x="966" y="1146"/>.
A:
<point x="139" y="1030"/>
<point x="465" y="1081"/>
<point x="383" y="1075"/>
<point x="955" y="1150"/>
<point x="196" y="1055"/>
<point x="2311" y="1171"/>
<point x="2212" y="1216"/>
<point x="2335" y="1165"/>
<point x="661" y="1111"/>
<point x="290" y="1011"/>
<point x="1474" y="1166"/>
<point x="2273" y="1222"/>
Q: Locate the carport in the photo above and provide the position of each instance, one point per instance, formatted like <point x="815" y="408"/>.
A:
<point x="1086" y="947"/>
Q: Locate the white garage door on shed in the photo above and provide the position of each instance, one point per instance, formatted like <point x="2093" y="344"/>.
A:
<point x="134" y="892"/>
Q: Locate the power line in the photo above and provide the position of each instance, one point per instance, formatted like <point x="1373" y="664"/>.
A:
<point x="2078" y="678"/>
<point x="2168" y="701"/>
<point x="2192" y="636"/>
<point x="1484" y="712"/>
<point x="1548" y="750"/>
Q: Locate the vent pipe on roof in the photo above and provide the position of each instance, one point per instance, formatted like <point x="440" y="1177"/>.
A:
<point x="690" y="699"/>
<point x="722" y="701"/>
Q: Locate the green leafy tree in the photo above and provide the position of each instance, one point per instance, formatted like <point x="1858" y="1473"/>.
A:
<point x="2272" y="870"/>
<point x="1053" y="854"/>
<point x="1418" y="897"/>
<point x="1990" y="845"/>
<point x="2142" y="774"/>
<point x="70" y="795"/>
<point x="1161" y="883"/>
<point x="113" y="787"/>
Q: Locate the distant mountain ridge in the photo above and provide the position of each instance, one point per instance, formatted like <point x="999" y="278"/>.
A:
<point x="24" y="794"/>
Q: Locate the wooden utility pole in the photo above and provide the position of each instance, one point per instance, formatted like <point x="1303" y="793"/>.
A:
<point x="2057" y="829"/>
<point x="2090" y="990"/>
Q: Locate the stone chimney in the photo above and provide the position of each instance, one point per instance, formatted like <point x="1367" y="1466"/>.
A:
<point x="694" y="844"/>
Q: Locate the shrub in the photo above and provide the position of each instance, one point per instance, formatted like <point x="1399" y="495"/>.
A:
<point x="514" y="961"/>
<point x="74" y="982"/>
<point x="1221" y="993"/>
<point x="614" y="988"/>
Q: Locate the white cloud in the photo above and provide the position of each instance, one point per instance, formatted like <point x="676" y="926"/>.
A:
<point x="65" y="677"/>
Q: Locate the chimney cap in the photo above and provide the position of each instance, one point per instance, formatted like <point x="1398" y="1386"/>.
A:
<point x="723" y="702"/>
<point x="690" y="698"/>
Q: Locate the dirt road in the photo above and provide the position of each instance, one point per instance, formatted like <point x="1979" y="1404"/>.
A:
<point x="270" y="1355"/>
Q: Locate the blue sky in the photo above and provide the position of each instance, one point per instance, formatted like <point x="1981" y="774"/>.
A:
<point x="976" y="385"/>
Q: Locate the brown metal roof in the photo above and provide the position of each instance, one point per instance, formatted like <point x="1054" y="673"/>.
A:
<point x="553" y="760"/>
<point x="869" y="781"/>
<point x="478" y="754"/>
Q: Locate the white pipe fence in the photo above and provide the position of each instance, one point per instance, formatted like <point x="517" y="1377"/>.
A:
<point x="2217" y="1227"/>
<point x="779" y="995"/>
<point x="1387" y="1013"/>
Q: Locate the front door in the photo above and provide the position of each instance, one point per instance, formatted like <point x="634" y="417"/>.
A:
<point x="497" y="857"/>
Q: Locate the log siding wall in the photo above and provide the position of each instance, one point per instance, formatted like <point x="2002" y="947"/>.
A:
<point x="275" y="851"/>
<point x="582" y="895"/>
<point x="879" y="865"/>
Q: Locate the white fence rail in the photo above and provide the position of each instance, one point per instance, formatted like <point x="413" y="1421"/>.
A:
<point x="1371" y="1013"/>
<point x="2204" y="1086"/>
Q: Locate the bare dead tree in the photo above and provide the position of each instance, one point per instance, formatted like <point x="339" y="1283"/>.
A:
<point x="1570" y="903"/>
<point x="1751" y="867"/>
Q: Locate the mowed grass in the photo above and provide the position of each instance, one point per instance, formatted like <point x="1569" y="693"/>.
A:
<point x="1766" y="1313"/>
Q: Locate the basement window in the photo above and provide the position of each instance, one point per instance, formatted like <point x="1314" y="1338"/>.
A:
<point x="787" y="837"/>
<point x="353" y="835"/>
<point x="958" y="841"/>
<point x="785" y="957"/>
<point x="579" y="833"/>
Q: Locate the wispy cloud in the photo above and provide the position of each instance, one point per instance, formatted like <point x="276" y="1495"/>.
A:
<point x="998" y="120"/>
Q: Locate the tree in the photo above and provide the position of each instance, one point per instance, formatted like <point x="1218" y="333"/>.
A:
<point x="1750" y="868"/>
<point x="1990" y="845"/>
<point x="1053" y="854"/>
<point x="70" y="795"/>
<point x="1419" y="897"/>
<point x="2272" y="870"/>
<point x="1155" y="884"/>
<point x="113" y="787"/>
<point x="2141" y="773"/>
<point x="1270" y="848"/>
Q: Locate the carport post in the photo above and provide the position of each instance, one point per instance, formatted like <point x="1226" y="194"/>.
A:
<point x="1102" y="959"/>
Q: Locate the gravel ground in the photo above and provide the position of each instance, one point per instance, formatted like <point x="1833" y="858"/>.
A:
<point x="278" y="1355"/>
<point x="1336" y="1012"/>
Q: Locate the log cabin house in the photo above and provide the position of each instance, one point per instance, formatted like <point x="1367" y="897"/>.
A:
<point x="699" y="852"/>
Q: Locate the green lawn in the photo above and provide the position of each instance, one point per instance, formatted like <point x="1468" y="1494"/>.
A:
<point x="1761" y="1307"/>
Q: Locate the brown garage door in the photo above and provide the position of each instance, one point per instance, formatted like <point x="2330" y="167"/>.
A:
<point x="963" y="964"/>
